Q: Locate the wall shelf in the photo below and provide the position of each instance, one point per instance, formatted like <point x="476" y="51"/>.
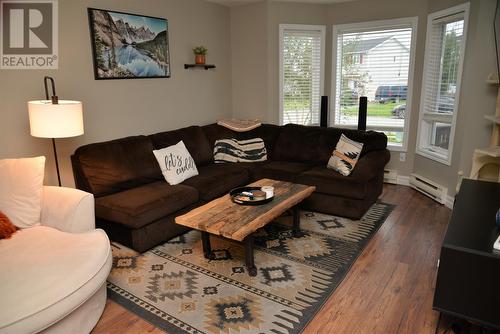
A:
<point x="494" y="119"/>
<point x="490" y="151"/>
<point x="205" y="66"/>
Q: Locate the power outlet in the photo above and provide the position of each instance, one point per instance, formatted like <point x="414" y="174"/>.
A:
<point x="402" y="156"/>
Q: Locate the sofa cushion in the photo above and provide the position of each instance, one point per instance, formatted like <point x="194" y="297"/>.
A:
<point x="299" y="144"/>
<point x="142" y="205"/>
<point x="328" y="181"/>
<point x="314" y="144"/>
<point x="281" y="170"/>
<point x="216" y="131"/>
<point x="193" y="137"/>
<point x="21" y="184"/>
<point x="51" y="274"/>
<point x="116" y="165"/>
<point x="216" y="180"/>
<point x="268" y="132"/>
<point x="252" y="167"/>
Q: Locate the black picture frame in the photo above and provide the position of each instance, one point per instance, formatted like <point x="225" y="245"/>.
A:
<point x="128" y="46"/>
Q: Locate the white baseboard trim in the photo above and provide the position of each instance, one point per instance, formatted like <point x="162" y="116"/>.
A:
<point x="403" y="180"/>
<point x="449" y="201"/>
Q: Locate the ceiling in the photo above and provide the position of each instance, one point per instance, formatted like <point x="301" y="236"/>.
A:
<point x="241" y="2"/>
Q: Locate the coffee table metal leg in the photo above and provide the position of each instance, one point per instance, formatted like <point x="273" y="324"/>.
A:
<point x="249" y="260"/>
<point x="296" y="221"/>
<point x="205" y="239"/>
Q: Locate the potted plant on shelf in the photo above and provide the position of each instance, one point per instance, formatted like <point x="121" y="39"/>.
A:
<point x="200" y="52"/>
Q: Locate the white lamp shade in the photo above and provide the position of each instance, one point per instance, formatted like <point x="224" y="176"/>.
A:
<point x="61" y="120"/>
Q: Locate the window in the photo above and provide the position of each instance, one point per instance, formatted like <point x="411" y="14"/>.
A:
<point x="301" y="73"/>
<point x="375" y="59"/>
<point x="444" y="50"/>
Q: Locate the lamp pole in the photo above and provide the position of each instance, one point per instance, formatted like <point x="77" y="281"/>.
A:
<point x="55" y="100"/>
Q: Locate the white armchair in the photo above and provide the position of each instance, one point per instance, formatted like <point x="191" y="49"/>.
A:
<point x="68" y="209"/>
<point x="53" y="276"/>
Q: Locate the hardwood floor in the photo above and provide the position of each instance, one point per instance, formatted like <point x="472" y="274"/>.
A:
<point x="389" y="289"/>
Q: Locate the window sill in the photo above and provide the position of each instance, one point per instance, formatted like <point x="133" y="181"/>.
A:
<point x="396" y="148"/>
<point x="438" y="117"/>
<point x="436" y="156"/>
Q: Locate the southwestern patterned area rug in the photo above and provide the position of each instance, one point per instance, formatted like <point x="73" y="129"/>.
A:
<point x="175" y="288"/>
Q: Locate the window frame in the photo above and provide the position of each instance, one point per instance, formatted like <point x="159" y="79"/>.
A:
<point x="405" y="22"/>
<point x="432" y="152"/>
<point x="300" y="27"/>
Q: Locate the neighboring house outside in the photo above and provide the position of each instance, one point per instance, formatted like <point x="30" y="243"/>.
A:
<point x="377" y="62"/>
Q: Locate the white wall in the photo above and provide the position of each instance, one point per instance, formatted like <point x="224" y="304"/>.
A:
<point x="255" y="45"/>
<point x="249" y="62"/>
<point x="118" y="108"/>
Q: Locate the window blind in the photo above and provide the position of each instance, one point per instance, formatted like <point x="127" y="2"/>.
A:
<point x="443" y="65"/>
<point x="444" y="46"/>
<point x="301" y="76"/>
<point x="374" y="63"/>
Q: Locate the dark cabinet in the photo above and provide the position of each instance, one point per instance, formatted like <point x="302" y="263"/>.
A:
<point x="468" y="278"/>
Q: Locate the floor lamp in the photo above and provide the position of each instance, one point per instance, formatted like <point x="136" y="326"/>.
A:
<point x="54" y="118"/>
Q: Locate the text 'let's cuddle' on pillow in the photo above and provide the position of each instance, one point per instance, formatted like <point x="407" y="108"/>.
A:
<point x="176" y="163"/>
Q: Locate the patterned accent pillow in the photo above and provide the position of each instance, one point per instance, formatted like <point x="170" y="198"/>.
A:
<point x="345" y="156"/>
<point x="6" y="227"/>
<point x="176" y="163"/>
<point x="232" y="150"/>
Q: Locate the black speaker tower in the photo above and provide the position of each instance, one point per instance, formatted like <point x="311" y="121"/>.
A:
<point x="363" y="105"/>
<point x="323" y="122"/>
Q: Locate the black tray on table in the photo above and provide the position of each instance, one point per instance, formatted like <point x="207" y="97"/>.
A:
<point x="237" y="191"/>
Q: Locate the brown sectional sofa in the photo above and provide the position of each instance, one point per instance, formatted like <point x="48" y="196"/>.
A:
<point x="137" y="207"/>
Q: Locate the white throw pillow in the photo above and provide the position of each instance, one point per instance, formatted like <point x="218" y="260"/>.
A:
<point x="176" y="163"/>
<point x="345" y="156"/>
<point x="21" y="185"/>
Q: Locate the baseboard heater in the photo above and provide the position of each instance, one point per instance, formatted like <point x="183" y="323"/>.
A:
<point x="429" y="188"/>
<point x="391" y="176"/>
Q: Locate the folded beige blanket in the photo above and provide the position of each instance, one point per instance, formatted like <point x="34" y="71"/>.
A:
<point x="240" y="125"/>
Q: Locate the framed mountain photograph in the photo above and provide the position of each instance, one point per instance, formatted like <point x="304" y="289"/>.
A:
<point x="128" y="46"/>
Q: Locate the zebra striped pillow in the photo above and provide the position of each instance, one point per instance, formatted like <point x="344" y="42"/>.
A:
<point x="233" y="150"/>
<point x="345" y="156"/>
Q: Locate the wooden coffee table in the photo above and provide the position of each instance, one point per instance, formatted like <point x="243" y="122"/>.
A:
<point x="238" y="222"/>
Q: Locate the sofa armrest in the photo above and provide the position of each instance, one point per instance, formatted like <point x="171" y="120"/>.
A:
<point x="68" y="209"/>
<point x="371" y="164"/>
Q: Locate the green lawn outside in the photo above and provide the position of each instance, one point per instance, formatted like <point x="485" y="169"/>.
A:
<point x="394" y="137"/>
<point x="297" y="105"/>
<point x="374" y="109"/>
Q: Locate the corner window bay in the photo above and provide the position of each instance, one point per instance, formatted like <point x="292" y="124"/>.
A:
<point x="374" y="59"/>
